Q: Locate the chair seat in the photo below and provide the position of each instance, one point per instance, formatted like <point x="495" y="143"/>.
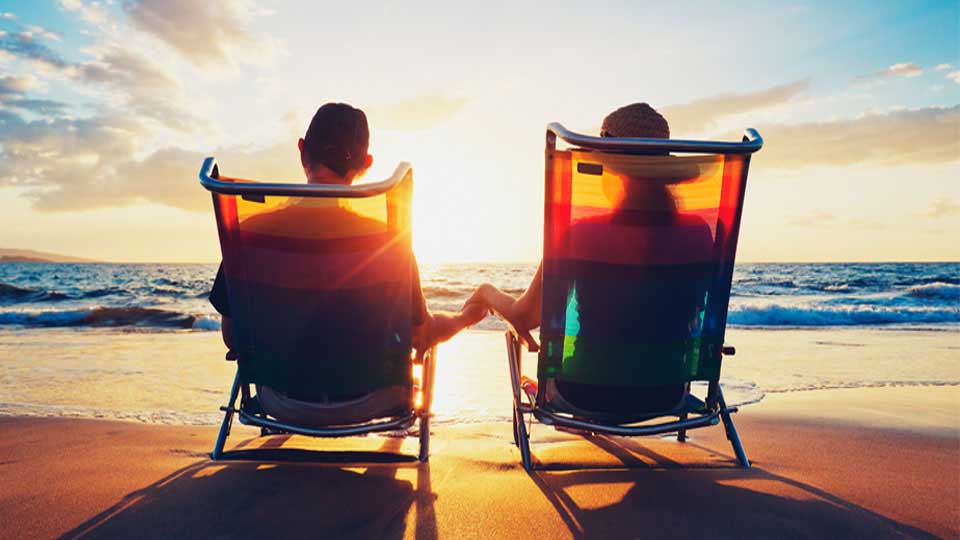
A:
<point x="554" y="402"/>
<point x="392" y="401"/>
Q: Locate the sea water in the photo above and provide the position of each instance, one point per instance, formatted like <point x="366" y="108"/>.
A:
<point x="140" y="341"/>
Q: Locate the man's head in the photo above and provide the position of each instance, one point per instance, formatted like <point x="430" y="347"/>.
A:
<point x="637" y="120"/>
<point x="334" y="149"/>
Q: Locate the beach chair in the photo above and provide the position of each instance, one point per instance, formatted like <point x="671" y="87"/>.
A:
<point x="639" y="243"/>
<point x="319" y="280"/>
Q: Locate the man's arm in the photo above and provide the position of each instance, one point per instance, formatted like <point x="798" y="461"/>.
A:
<point x="226" y="331"/>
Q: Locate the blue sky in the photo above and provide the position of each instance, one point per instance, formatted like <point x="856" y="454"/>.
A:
<point x="107" y="107"/>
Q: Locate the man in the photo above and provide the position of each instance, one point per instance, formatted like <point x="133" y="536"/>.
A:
<point x="334" y="150"/>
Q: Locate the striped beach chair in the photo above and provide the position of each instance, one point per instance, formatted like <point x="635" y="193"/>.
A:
<point x="639" y="243"/>
<point x="319" y="280"/>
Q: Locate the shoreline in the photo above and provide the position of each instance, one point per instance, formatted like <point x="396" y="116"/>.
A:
<point x="814" y="475"/>
<point x="180" y="378"/>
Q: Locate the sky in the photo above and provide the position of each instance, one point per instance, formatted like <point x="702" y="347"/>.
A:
<point x="107" y="109"/>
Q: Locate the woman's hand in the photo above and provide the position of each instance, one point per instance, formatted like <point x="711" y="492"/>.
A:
<point x="472" y="313"/>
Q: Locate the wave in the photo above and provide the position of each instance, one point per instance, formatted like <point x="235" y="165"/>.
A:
<point x="11" y="293"/>
<point x="439" y="291"/>
<point x="109" y="317"/>
<point x="838" y="315"/>
<point x="98" y="293"/>
<point x="937" y="290"/>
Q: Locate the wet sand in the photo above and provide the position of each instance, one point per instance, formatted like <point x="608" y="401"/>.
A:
<point x="860" y="463"/>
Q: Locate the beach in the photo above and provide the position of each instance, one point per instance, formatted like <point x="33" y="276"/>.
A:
<point x="850" y="475"/>
<point x="877" y="459"/>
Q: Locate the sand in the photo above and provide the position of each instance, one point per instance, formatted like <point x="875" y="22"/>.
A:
<point x="882" y="463"/>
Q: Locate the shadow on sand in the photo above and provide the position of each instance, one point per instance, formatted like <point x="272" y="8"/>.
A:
<point x="277" y="496"/>
<point x="362" y="495"/>
<point x="671" y="500"/>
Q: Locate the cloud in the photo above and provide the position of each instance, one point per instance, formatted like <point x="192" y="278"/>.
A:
<point x="944" y="207"/>
<point x="415" y="114"/>
<point x="42" y="32"/>
<point x="942" y="67"/>
<point x="136" y="82"/>
<point x="92" y="12"/>
<point x="17" y="84"/>
<point x="954" y="76"/>
<point x="816" y="218"/>
<point x="922" y="136"/>
<point x="7" y="16"/>
<point x="46" y="107"/>
<point x="703" y="114"/>
<point x="24" y="46"/>
<point x="906" y="69"/>
<point x="70" y="164"/>
<point x="206" y="33"/>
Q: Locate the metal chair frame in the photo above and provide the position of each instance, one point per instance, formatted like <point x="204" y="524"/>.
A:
<point x="716" y="410"/>
<point x="209" y="179"/>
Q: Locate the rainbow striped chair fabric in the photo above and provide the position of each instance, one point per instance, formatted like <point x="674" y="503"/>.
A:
<point x="640" y="237"/>
<point x="319" y="280"/>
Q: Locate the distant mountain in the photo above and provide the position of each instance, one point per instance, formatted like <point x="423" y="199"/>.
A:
<point x="29" y="255"/>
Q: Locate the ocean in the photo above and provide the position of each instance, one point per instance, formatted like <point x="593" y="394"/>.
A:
<point x="159" y="297"/>
<point x="140" y="341"/>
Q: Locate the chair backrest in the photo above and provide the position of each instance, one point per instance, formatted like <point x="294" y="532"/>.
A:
<point x="319" y="285"/>
<point x="639" y="249"/>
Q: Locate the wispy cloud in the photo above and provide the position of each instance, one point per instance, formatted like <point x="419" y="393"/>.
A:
<point x="954" y="76"/>
<point x="817" y="218"/>
<point x="70" y="164"/>
<point x="45" y="107"/>
<point x="91" y="12"/>
<point x="921" y="136"/>
<point x="206" y="33"/>
<point x="23" y="45"/>
<point x="35" y="30"/>
<point x="416" y="113"/>
<point x="942" y="67"/>
<point x="703" y="114"/>
<point x="134" y="80"/>
<point x="17" y="84"/>
<point x="944" y="207"/>
<point x="906" y="69"/>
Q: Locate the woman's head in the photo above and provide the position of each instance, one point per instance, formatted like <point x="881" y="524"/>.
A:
<point x="637" y="120"/>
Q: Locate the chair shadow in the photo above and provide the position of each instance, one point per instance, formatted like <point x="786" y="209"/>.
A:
<point x="672" y="500"/>
<point x="278" y="496"/>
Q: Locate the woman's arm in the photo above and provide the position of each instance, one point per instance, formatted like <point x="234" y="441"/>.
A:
<point x="524" y="312"/>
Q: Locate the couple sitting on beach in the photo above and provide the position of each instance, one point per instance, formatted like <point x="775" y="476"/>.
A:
<point x="334" y="150"/>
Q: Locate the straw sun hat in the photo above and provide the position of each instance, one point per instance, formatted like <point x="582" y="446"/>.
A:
<point x="635" y="120"/>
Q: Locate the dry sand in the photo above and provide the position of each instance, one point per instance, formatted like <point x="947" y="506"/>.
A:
<point x="882" y="463"/>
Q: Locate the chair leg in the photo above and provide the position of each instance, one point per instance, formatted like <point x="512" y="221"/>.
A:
<point x="424" y="438"/>
<point x="731" y="430"/>
<point x="227" y="419"/>
<point x="426" y="384"/>
<point x="520" y="435"/>
<point x="524" y="439"/>
<point x="682" y="433"/>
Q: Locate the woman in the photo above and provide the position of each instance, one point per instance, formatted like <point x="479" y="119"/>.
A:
<point x="608" y="315"/>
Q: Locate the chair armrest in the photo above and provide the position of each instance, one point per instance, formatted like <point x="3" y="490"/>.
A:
<point x="524" y="337"/>
<point x="728" y="350"/>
